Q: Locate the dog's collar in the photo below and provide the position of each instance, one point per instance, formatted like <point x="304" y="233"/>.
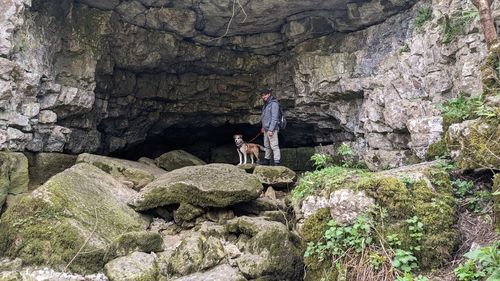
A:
<point x="240" y="145"/>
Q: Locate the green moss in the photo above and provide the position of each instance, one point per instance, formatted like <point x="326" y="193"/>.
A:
<point x="436" y="210"/>
<point x="47" y="237"/>
<point x="138" y="241"/>
<point x="390" y="193"/>
<point x="436" y="150"/>
<point x="319" y="270"/>
<point x="315" y="225"/>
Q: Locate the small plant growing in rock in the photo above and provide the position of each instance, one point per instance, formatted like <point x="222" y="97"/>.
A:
<point x="462" y="188"/>
<point x="345" y="152"/>
<point x="455" y="26"/>
<point x="423" y="16"/>
<point x="404" y="49"/>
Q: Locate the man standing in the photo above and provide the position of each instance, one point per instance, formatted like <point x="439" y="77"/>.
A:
<point x="270" y="118"/>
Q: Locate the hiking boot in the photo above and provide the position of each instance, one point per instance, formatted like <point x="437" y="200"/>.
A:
<point x="276" y="163"/>
<point x="264" y="162"/>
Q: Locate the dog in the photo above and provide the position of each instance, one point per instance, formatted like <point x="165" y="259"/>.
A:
<point x="244" y="148"/>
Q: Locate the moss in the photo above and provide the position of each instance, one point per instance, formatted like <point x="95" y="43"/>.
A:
<point x="50" y="227"/>
<point x="47" y="237"/>
<point x="436" y="150"/>
<point x="187" y="212"/>
<point x="315" y="225"/>
<point x="440" y="179"/>
<point x="390" y="193"/>
<point x="436" y="210"/>
<point x="139" y="241"/>
<point x="477" y="144"/>
<point x="319" y="270"/>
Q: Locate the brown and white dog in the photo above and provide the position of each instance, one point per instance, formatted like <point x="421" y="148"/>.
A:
<point x="244" y="148"/>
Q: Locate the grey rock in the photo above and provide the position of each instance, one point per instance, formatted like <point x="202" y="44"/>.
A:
<point x="213" y="185"/>
<point x="136" y="266"/>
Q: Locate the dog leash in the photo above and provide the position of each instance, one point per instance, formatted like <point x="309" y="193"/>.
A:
<point x="260" y="132"/>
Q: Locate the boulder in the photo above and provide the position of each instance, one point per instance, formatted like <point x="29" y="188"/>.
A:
<point x="187" y="212"/>
<point x="474" y="144"/>
<point x="176" y="159"/>
<point x="138" y="174"/>
<point x="196" y="252"/>
<point x="134" y="267"/>
<point x="43" y="165"/>
<point x="14" y="177"/>
<point x="344" y="204"/>
<point x="137" y="241"/>
<point x="272" y="251"/>
<point x="81" y="204"/>
<point x="213" y="185"/>
<point x="219" y="273"/>
<point x="277" y="176"/>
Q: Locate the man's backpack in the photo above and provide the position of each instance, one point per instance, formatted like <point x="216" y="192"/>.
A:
<point x="281" y="120"/>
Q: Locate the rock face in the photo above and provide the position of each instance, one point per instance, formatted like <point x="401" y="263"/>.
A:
<point x="214" y="185"/>
<point x="136" y="266"/>
<point x="50" y="225"/>
<point x="108" y="75"/>
<point x="13" y="175"/>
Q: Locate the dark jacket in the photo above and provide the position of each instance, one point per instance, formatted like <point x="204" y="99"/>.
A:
<point x="270" y="114"/>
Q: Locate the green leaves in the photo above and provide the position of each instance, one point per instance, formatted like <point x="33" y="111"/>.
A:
<point x="481" y="263"/>
<point x="404" y="260"/>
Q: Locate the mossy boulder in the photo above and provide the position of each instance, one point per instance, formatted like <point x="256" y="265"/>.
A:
<point x="136" y="241"/>
<point x="43" y="165"/>
<point x="196" y="252"/>
<point x="50" y="225"/>
<point x="422" y="190"/>
<point x="187" y="212"/>
<point x="277" y="176"/>
<point x="279" y="250"/>
<point x="139" y="174"/>
<point x="14" y="177"/>
<point x="176" y="159"/>
<point x="213" y="185"/>
<point x="474" y="143"/>
<point x="137" y="266"/>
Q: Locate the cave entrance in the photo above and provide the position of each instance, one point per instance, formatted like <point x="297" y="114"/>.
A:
<point x="214" y="144"/>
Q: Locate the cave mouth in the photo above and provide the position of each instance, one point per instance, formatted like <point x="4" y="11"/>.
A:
<point x="212" y="144"/>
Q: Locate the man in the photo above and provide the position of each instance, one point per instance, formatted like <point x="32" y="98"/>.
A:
<point x="270" y="117"/>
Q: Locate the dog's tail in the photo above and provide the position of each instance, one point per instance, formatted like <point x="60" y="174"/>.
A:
<point x="261" y="147"/>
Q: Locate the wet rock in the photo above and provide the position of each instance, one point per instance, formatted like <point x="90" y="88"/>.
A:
<point x="213" y="185"/>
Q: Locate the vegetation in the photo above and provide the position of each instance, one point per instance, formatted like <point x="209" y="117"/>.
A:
<point x="410" y="229"/>
<point x="423" y="16"/>
<point x="481" y="264"/>
<point x="462" y="108"/>
<point x="456" y="25"/>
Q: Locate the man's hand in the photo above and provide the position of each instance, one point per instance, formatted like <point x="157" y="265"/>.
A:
<point x="270" y="133"/>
